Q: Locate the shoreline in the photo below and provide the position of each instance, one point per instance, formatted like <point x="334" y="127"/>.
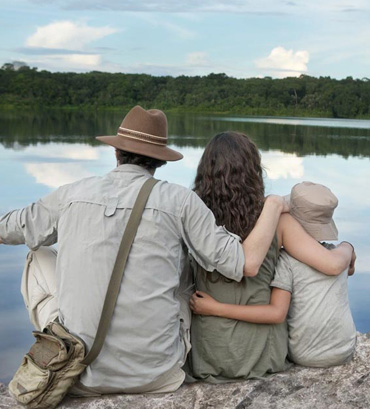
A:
<point x="258" y="113"/>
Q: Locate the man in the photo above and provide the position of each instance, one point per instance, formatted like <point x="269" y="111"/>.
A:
<point x="148" y="338"/>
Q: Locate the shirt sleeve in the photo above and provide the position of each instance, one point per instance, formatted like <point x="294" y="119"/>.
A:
<point x="212" y="246"/>
<point x="283" y="278"/>
<point x="35" y="225"/>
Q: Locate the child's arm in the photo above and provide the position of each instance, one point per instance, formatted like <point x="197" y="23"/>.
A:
<point x="273" y="313"/>
<point x="300" y="245"/>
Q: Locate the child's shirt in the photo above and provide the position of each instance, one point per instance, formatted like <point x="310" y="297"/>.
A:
<point x="321" y="328"/>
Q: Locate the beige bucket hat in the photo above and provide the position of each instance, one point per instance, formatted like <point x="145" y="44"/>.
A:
<point x="313" y="206"/>
<point x="143" y="132"/>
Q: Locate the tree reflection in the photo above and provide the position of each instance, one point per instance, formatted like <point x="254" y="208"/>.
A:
<point x="28" y="128"/>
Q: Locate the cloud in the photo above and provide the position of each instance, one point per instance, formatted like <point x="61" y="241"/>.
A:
<point x="197" y="58"/>
<point x="55" y="165"/>
<point x="191" y="157"/>
<point x="78" y="61"/>
<point x="280" y="165"/>
<point x="284" y="62"/>
<point x="76" y="151"/>
<point x="182" y="172"/>
<point x="67" y="35"/>
<point x="65" y="44"/>
<point x="56" y="174"/>
<point x="50" y="51"/>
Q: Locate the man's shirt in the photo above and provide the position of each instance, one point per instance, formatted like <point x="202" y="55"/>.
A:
<point x="87" y="219"/>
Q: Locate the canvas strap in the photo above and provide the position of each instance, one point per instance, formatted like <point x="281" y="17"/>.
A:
<point x="119" y="267"/>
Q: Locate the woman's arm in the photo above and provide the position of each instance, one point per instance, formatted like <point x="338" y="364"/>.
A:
<point x="258" y="242"/>
<point x="300" y="245"/>
<point x="273" y="313"/>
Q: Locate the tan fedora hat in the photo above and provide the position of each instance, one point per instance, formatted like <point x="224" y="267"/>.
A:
<point x="145" y="133"/>
<point x="313" y="206"/>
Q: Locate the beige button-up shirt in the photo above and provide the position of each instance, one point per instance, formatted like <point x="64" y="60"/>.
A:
<point x="87" y="219"/>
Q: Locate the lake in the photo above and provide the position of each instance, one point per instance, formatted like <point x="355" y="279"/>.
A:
<point x="39" y="152"/>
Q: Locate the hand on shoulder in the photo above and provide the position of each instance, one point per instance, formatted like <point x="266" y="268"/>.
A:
<point x="279" y="201"/>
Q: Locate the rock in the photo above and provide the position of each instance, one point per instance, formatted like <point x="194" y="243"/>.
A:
<point x="341" y="387"/>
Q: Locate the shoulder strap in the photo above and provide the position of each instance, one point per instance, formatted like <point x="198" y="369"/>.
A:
<point x="116" y="278"/>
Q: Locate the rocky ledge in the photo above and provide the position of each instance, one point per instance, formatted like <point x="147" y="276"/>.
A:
<point x="341" y="387"/>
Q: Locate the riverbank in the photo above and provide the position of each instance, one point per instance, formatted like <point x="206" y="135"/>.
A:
<point x="340" y="387"/>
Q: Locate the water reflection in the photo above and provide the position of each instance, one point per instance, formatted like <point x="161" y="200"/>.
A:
<point x="282" y="166"/>
<point x="27" y="128"/>
<point x="321" y="122"/>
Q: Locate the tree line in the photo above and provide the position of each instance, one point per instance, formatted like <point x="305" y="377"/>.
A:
<point x="25" y="87"/>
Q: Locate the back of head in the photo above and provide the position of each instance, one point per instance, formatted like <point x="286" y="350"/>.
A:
<point x="129" y="158"/>
<point x="313" y="206"/>
<point x="229" y="180"/>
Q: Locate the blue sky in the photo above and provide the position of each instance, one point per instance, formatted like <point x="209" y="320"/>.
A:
<point x="241" y="38"/>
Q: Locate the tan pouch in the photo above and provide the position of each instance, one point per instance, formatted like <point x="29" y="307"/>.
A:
<point x="50" y="368"/>
<point x="29" y="381"/>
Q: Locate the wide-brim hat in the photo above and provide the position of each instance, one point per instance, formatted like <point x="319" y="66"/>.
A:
<point x="145" y="133"/>
<point x="313" y="205"/>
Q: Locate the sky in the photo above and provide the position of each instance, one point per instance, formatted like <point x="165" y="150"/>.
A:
<point x="241" y="38"/>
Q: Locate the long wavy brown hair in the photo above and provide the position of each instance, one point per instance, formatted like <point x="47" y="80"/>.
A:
<point x="230" y="181"/>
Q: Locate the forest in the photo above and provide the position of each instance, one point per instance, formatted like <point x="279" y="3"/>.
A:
<point x="29" y="88"/>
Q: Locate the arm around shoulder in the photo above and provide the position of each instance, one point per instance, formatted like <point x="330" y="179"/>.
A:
<point x="258" y="242"/>
<point x="300" y="245"/>
<point x="212" y="246"/>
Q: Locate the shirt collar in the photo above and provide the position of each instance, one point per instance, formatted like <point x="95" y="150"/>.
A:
<point x="135" y="169"/>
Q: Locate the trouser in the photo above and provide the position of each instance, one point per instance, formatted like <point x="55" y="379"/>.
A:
<point x="39" y="290"/>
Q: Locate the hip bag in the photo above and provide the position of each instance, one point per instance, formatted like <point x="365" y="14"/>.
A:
<point x="57" y="358"/>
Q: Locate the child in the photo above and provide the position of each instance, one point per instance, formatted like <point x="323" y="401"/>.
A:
<point x="321" y="329"/>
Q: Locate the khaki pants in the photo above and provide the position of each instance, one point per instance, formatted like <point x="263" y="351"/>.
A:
<point x="39" y="288"/>
<point x="39" y="292"/>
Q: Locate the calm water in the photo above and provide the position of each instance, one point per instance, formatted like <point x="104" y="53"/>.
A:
<point x="39" y="152"/>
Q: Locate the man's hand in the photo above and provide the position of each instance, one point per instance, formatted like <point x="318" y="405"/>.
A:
<point x="1" y="242"/>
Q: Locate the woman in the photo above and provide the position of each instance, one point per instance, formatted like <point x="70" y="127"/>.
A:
<point x="229" y="180"/>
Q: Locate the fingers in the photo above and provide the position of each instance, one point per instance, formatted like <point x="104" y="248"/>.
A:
<point x="195" y="300"/>
<point x="286" y="207"/>
<point x="199" y="301"/>
<point x="193" y="304"/>
<point x="351" y="268"/>
<point x="283" y="202"/>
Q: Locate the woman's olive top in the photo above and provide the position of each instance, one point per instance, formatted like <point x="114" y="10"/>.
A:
<point x="225" y="349"/>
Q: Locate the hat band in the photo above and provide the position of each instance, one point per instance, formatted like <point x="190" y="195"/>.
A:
<point x="141" y="136"/>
